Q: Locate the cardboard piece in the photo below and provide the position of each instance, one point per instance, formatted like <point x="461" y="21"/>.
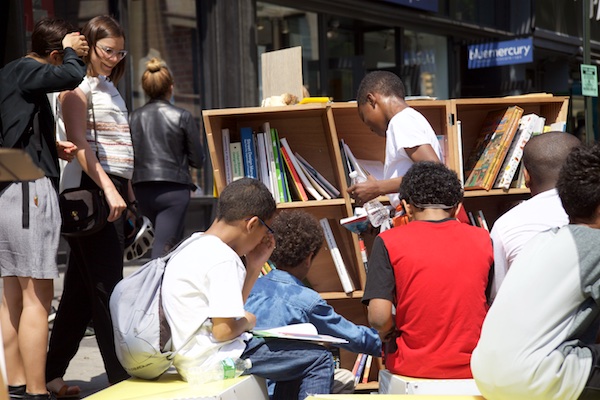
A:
<point x="282" y="72"/>
<point x="16" y="165"/>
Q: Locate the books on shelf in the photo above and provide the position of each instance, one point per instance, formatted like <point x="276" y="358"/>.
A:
<point x="294" y="180"/>
<point x="321" y="180"/>
<point x="497" y="132"/>
<point x="305" y="331"/>
<point x="365" y="377"/>
<point x="307" y="185"/>
<point x="527" y="126"/>
<point x="359" y="367"/>
<point x="340" y="266"/>
<point x="226" y="140"/>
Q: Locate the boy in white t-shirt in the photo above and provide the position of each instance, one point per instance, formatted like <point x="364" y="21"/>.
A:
<point x="409" y="136"/>
<point x="206" y="285"/>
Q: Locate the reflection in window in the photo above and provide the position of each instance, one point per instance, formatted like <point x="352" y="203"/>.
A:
<point x="424" y="69"/>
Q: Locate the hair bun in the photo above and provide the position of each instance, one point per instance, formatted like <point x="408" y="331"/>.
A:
<point x="154" y="65"/>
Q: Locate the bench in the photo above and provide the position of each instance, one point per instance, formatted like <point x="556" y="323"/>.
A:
<point x="398" y="384"/>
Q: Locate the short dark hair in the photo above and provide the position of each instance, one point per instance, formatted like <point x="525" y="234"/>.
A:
<point x="544" y="155"/>
<point x="429" y="183"/>
<point x="100" y="27"/>
<point x="245" y="198"/>
<point x="48" y="35"/>
<point x="383" y="82"/>
<point x="579" y="182"/>
<point x="297" y="235"/>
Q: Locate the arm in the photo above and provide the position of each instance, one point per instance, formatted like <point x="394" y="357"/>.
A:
<point x="74" y="105"/>
<point x="230" y="328"/>
<point x="372" y="188"/>
<point x="381" y="318"/>
<point x="194" y="148"/>
<point x="255" y="259"/>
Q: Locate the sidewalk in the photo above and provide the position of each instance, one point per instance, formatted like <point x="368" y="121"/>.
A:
<point x="86" y="370"/>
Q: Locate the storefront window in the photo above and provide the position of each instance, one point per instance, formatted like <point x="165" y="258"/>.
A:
<point x="424" y="68"/>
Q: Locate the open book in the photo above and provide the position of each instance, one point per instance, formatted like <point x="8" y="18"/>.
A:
<point x="306" y="331"/>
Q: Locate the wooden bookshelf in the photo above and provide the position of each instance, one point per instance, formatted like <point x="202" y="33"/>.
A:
<point x="314" y="131"/>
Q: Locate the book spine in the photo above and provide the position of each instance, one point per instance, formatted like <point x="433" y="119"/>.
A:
<point x="361" y="369"/>
<point x="248" y="151"/>
<point x="271" y="158"/>
<point x="262" y="162"/>
<point x="365" y="377"/>
<point x="513" y="158"/>
<point x="225" y="138"/>
<point x="340" y="267"/>
<point x="278" y="164"/>
<point x="295" y="178"/>
<point x="307" y="185"/>
<point x="237" y="163"/>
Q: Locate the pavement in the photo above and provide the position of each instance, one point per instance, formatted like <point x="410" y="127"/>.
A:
<point x="86" y="370"/>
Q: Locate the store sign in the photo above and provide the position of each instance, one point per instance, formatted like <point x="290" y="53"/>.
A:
<point x="589" y="80"/>
<point x="427" y="5"/>
<point x="494" y="54"/>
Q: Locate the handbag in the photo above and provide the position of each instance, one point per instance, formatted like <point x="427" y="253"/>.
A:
<point x="83" y="211"/>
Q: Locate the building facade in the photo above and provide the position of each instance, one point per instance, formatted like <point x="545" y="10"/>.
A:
<point x="440" y="48"/>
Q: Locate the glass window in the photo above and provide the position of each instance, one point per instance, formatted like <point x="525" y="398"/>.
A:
<point x="425" y="64"/>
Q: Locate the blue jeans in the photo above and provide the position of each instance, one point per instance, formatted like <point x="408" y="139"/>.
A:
<point x="298" y="368"/>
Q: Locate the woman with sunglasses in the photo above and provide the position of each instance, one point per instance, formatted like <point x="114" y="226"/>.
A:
<point x="30" y="218"/>
<point x="95" y="118"/>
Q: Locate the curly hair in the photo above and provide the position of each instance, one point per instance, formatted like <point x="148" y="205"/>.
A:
<point x="383" y="82"/>
<point x="297" y="234"/>
<point x="579" y="182"/>
<point x="244" y="198"/>
<point x="431" y="183"/>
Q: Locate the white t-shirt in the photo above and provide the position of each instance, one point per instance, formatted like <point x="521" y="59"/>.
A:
<point x="203" y="281"/>
<point x="114" y="139"/>
<point x="407" y="129"/>
<point x="517" y="226"/>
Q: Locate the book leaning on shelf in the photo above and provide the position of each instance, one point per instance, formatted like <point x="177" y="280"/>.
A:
<point x="498" y="131"/>
<point x="338" y="261"/>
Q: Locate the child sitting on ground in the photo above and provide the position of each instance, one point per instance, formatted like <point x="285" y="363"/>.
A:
<point x="434" y="271"/>
<point x="206" y="285"/>
<point x="279" y="298"/>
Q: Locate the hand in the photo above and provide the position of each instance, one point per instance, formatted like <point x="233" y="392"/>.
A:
<point x="77" y="42"/>
<point x="116" y="204"/>
<point x="66" y="150"/>
<point x="364" y="191"/>
<point x="258" y="256"/>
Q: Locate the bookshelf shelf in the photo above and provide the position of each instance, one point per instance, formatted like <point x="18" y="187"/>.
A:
<point x="314" y="131"/>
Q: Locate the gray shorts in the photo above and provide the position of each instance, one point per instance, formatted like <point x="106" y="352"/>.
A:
<point x="29" y="252"/>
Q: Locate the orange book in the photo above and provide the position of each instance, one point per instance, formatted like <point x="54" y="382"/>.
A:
<point x="297" y="182"/>
<point x="498" y="131"/>
<point x="365" y="377"/>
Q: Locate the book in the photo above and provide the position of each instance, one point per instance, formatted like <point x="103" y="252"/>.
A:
<point x="482" y="221"/>
<point x="498" y="131"/>
<point x="356" y="365"/>
<point x="237" y="163"/>
<point x="356" y="223"/>
<point x="472" y="219"/>
<point x="314" y="182"/>
<point x="372" y="167"/>
<point x="248" y="152"/>
<point x="225" y="138"/>
<point x="443" y="141"/>
<point x="361" y="369"/>
<point x="266" y="126"/>
<point x="307" y="185"/>
<point x="332" y="190"/>
<point x="367" y="371"/>
<point x="340" y="266"/>
<point x="262" y="164"/>
<point x="527" y="125"/>
<point x="279" y="172"/>
<point x="305" y="331"/>
<point x="296" y="183"/>
<point x="353" y="162"/>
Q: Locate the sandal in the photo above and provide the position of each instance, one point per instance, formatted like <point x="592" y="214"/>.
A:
<point x="16" y="392"/>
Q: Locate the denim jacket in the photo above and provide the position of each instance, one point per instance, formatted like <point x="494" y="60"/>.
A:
<point x="279" y="299"/>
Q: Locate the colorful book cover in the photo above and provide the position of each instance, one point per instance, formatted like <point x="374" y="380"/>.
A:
<point x="296" y="182"/>
<point x="497" y="133"/>
<point x="237" y="163"/>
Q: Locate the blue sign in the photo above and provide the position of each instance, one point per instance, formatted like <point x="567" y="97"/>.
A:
<point x="428" y="5"/>
<point x="494" y="54"/>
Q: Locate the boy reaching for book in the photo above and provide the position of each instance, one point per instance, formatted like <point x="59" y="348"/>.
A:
<point x="279" y="298"/>
<point x="409" y="136"/>
<point x="435" y="272"/>
<point x="538" y="341"/>
<point x="206" y="284"/>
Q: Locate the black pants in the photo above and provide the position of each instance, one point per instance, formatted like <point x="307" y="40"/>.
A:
<point x="95" y="266"/>
<point x="592" y="386"/>
<point x="165" y="204"/>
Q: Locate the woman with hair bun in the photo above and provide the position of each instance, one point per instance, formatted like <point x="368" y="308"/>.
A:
<point x="166" y="142"/>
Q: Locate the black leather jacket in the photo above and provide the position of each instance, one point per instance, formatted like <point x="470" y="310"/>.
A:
<point x="166" y="141"/>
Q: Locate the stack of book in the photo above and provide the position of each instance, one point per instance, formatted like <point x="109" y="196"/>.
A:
<point x="496" y="156"/>
<point x="265" y="156"/>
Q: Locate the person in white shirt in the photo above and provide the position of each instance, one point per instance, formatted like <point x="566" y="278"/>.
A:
<point x="543" y="157"/>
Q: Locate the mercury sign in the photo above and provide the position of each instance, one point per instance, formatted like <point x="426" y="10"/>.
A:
<point x="494" y="54"/>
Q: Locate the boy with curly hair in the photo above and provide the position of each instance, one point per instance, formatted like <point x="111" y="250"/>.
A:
<point x="434" y="271"/>
<point x="539" y="339"/>
<point x="279" y="298"/>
